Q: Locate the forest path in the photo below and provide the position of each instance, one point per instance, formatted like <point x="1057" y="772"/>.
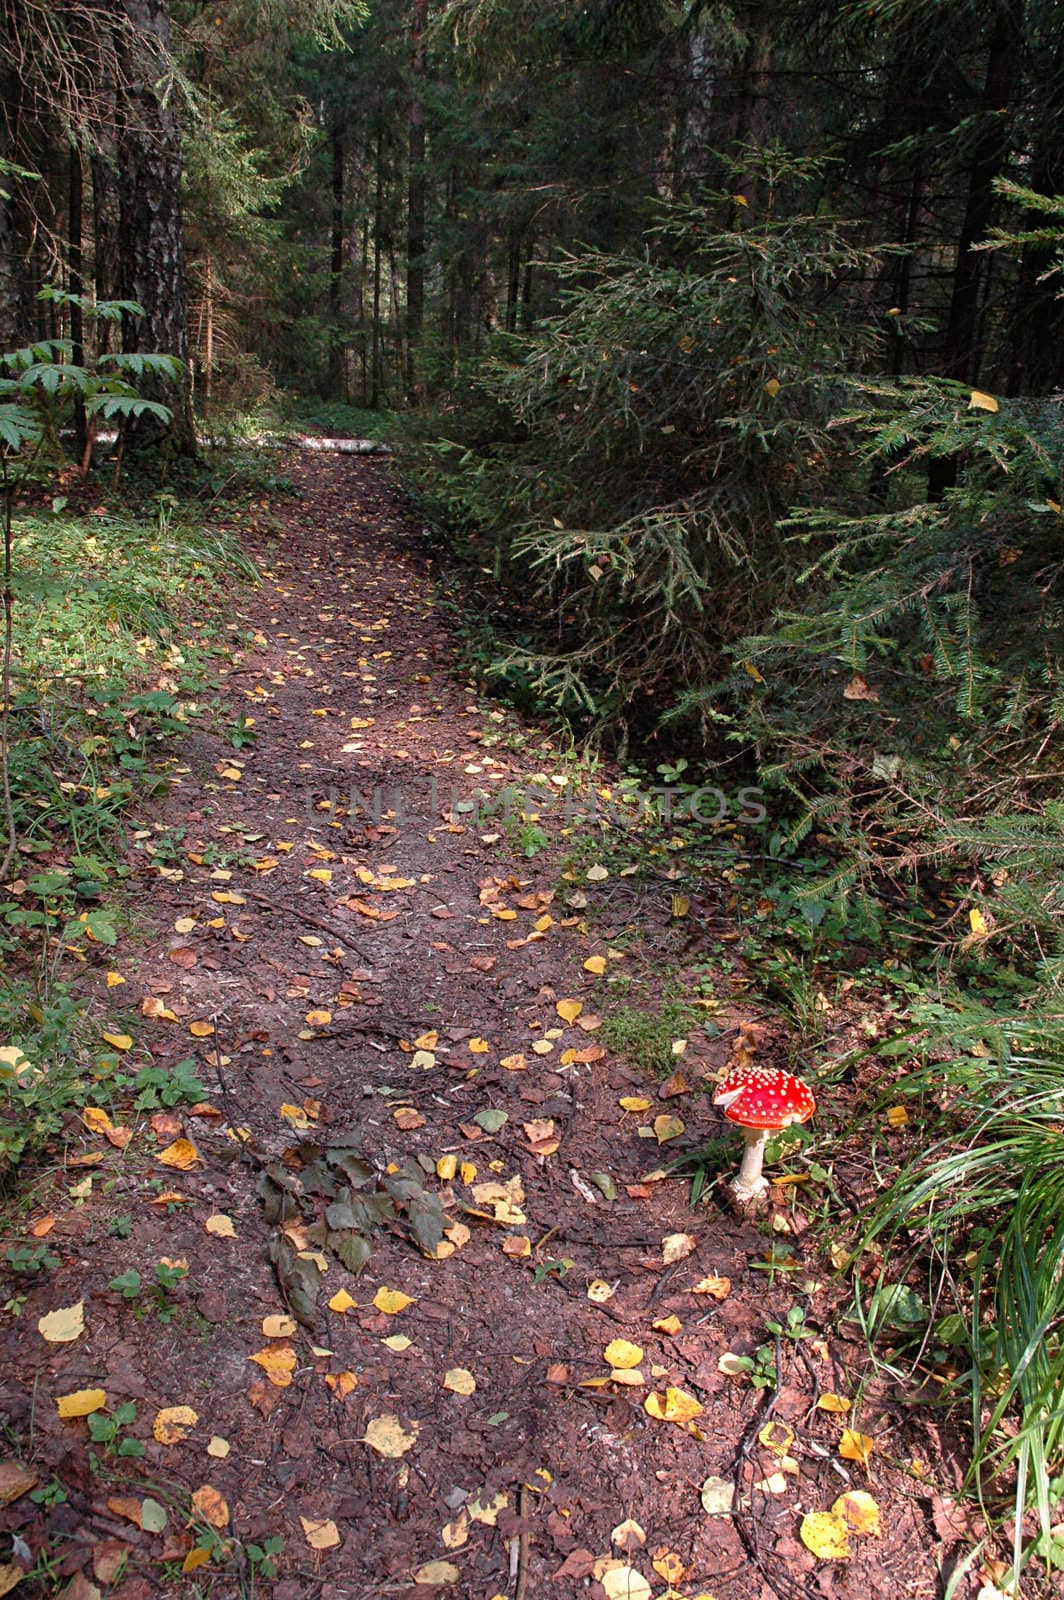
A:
<point x="399" y="993"/>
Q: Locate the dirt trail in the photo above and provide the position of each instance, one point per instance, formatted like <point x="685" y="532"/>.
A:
<point x="375" y="988"/>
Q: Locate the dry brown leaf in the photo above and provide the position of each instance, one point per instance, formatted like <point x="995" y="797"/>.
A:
<point x="211" y="1506"/>
<point x="440" y="1573"/>
<point x="16" y="1479"/>
<point x="718" y="1288"/>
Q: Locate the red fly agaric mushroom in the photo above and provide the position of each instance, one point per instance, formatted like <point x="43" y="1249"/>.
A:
<point x="760" y="1100"/>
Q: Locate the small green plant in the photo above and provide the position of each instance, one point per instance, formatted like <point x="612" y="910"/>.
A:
<point x="51" y="1493"/>
<point x="644" y="1036"/>
<point x="262" y="1558"/>
<point x="557" y="1267"/>
<point x="154" y="1297"/>
<point x="167" y="1086"/>
<point x="761" y="1367"/>
<point x="793" y="1328"/>
<point x="120" y="1227"/>
<point x="30" y="1258"/>
<point x="108" y="1430"/>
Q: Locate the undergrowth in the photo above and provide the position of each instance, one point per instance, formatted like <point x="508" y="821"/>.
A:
<point x="116" y="621"/>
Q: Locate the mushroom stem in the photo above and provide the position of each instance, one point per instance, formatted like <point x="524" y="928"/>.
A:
<point x="749" y="1183"/>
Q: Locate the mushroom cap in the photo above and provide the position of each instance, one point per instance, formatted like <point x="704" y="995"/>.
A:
<point x="764" y="1097"/>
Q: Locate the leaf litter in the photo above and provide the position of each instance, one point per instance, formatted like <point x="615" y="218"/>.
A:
<point x="405" y="1119"/>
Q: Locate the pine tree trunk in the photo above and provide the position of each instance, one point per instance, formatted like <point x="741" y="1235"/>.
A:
<point x="208" y="330"/>
<point x="151" y="252"/>
<point x="336" y="269"/>
<point x="962" y="352"/>
<point x="415" y="199"/>
<point x="378" y="224"/>
<point x="76" y="282"/>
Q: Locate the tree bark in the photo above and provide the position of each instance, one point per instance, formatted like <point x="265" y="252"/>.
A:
<point x="961" y="355"/>
<point x="378" y="225"/>
<point x="336" y="267"/>
<point x="151" y="252"/>
<point x="415" y="198"/>
<point x="962" y="351"/>
<point x="76" y="281"/>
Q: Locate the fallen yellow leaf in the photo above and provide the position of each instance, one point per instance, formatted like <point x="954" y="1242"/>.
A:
<point x="201" y="1029"/>
<point x="569" y="1010"/>
<point x="341" y="1302"/>
<point x="221" y="1226"/>
<point x="341" y="1383"/>
<point x="854" y="1446"/>
<point x="860" y="1513"/>
<point x="218" y="1447"/>
<point x="97" y="1120"/>
<point x="620" y="1582"/>
<point x="833" y="1402"/>
<point x="81" y="1403"/>
<point x="278" y="1361"/>
<point x="392" y="1301"/>
<point x="595" y="965"/>
<point x="675" y="1405"/>
<point x="279" y="1326"/>
<point x="63" y="1325"/>
<point x="621" y="1354"/>
<point x="459" y="1381"/>
<point x="320" y="1534"/>
<point x="172" y="1423"/>
<point x="825" y="1534"/>
<point x="119" y="1041"/>
<point x="197" y="1557"/>
<point x="182" y="1154"/>
<point x="388" y="1437"/>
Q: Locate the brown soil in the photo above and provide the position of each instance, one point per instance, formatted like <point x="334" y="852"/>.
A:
<point x="520" y="1485"/>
